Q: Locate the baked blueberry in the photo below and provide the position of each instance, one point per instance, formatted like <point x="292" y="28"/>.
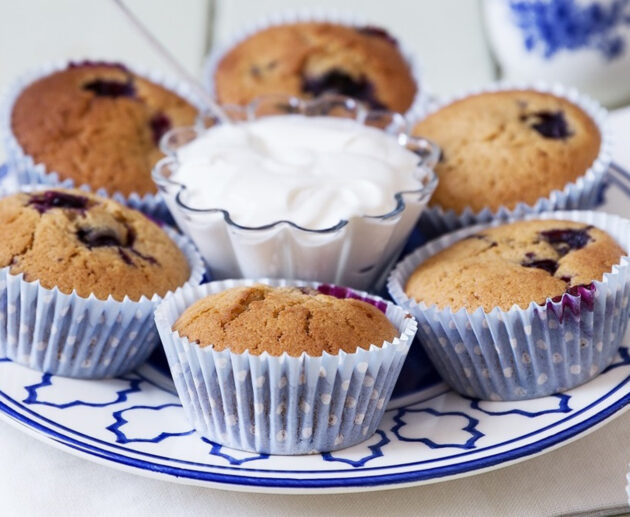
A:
<point x="56" y="199"/>
<point x="107" y="88"/>
<point x="567" y="239"/>
<point x="550" y="124"/>
<point x="339" y="82"/>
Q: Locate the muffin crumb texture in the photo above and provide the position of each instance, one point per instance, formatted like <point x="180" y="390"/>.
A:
<point x="78" y="241"/>
<point x="98" y="124"/>
<point x="309" y="59"/>
<point x="294" y="320"/>
<point x="504" y="148"/>
<point x="518" y="263"/>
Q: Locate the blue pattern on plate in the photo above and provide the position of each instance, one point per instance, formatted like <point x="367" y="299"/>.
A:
<point x="121" y="421"/>
<point x="376" y="451"/>
<point x="563" y="407"/>
<point x="624" y="359"/>
<point x="217" y="450"/>
<point x="33" y="396"/>
<point x="553" y="25"/>
<point x="470" y="428"/>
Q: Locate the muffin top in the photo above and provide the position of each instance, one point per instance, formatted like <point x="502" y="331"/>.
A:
<point x="502" y="148"/>
<point x="275" y="320"/>
<point x="77" y="241"/>
<point x="308" y="59"/>
<point x="98" y="124"/>
<point x="518" y="263"/>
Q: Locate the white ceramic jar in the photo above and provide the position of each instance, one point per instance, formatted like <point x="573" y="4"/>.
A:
<point x="584" y="43"/>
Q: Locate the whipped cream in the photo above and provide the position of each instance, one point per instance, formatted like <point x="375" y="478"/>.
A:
<point x="312" y="171"/>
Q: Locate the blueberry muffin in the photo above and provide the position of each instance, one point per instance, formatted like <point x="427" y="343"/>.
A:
<point x="276" y="320"/>
<point x="515" y="264"/>
<point x="506" y="147"/>
<point x="77" y="241"/>
<point x="309" y="59"/>
<point x="98" y="124"/>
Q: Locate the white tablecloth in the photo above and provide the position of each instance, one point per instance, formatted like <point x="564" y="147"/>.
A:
<point x="588" y="474"/>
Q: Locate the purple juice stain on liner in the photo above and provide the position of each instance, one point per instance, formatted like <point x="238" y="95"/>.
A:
<point x="54" y="199"/>
<point x="549" y="124"/>
<point x="575" y="298"/>
<point x="338" y="81"/>
<point x="343" y="292"/>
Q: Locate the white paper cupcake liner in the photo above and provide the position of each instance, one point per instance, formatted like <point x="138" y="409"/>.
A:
<point x="524" y="353"/>
<point x="28" y="172"/>
<point x="419" y="104"/>
<point x="581" y="194"/>
<point x="74" y="336"/>
<point x="283" y="404"/>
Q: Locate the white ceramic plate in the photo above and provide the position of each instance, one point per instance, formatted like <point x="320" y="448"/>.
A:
<point x="430" y="433"/>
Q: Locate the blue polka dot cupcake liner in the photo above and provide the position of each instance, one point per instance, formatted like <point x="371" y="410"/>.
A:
<point x="421" y="99"/>
<point x="28" y="172"/>
<point x="584" y="193"/>
<point x="283" y="404"/>
<point x="524" y="353"/>
<point x="74" y="336"/>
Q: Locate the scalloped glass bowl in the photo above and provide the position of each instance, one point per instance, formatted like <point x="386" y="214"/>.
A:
<point x="356" y="252"/>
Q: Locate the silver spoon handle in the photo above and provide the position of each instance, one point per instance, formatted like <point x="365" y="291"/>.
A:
<point x="214" y="108"/>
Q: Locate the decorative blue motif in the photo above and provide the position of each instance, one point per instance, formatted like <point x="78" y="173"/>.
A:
<point x="562" y="399"/>
<point x="121" y="421"/>
<point x="470" y="428"/>
<point x="218" y="448"/>
<point x="554" y="25"/>
<point x="376" y="452"/>
<point x="624" y="359"/>
<point x="33" y="396"/>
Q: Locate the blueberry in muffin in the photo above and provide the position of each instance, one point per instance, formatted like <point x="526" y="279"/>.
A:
<point x="98" y="124"/>
<point x="310" y="59"/>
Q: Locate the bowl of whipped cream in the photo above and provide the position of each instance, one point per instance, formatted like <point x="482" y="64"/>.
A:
<point x="320" y="190"/>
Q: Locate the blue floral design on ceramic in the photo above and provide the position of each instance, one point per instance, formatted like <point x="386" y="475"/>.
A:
<point x="218" y="450"/>
<point x="470" y="428"/>
<point x="121" y="421"/>
<point x="35" y="397"/>
<point x="376" y="451"/>
<point x="553" y="25"/>
<point x="562" y="400"/>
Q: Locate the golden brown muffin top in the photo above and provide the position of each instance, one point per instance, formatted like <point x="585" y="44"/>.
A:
<point x="308" y="59"/>
<point x="275" y="320"/>
<point x="99" y="125"/>
<point x="502" y="148"/>
<point x="518" y="263"/>
<point x="77" y="241"/>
